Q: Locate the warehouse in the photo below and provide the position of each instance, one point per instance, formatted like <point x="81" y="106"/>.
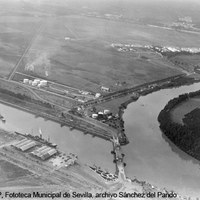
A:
<point x="44" y="152"/>
<point x="27" y="146"/>
<point x="38" y="150"/>
<point x="48" y="154"/>
<point x="20" y="142"/>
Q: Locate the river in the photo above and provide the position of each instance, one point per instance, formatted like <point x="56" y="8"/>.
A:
<point x="149" y="155"/>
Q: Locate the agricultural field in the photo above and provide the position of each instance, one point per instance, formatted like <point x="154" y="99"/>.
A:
<point x="77" y="51"/>
<point x="179" y="112"/>
<point x="11" y="171"/>
<point x="187" y="62"/>
<point x="72" y="48"/>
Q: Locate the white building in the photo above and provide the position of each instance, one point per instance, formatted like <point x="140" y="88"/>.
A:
<point x="97" y="95"/>
<point x="94" y="116"/>
<point x="106" y="112"/>
<point x="105" y="89"/>
<point x="43" y="83"/>
<point x="26" y="81"/>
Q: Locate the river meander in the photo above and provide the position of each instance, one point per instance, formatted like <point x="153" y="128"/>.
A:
<point x="149" y="155"/>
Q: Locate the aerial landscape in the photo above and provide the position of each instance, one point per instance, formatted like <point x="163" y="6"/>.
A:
<point x="100" y="99"/>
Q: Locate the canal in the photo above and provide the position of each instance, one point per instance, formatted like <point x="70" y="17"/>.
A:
<point x="149" y="156"/>
<point x="90" y="150"/>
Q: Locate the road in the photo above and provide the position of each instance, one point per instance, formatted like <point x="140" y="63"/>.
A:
<point x="83" y="123"/>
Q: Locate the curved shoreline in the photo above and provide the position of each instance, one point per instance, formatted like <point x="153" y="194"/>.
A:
<point x="148" y="91"/>
<point x="181" y="135"/>
<point x="149" y="88"/>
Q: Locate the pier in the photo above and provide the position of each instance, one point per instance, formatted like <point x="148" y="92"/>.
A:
<point x="118" y="159"/>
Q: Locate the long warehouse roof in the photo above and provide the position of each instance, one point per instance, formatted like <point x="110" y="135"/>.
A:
<point x="28" y="146"/>
<point x="23" y="143"/>
<point x="19" y="142"/>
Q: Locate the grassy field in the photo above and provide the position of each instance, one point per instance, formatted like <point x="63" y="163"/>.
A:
<point x="186" y="62"/>
<point x="182" y="109"/>
<point x="87" y="60"/>
<point x="73" y="49"/>
<point x="11" y="171"/>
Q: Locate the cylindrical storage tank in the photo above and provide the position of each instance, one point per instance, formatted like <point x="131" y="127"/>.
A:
<point x="109" y="117"/>
<point x="25" y="80"/>
<point x="43" y="83"/>
<point x="30" y="82"/>
<point x="97" y="95"/>
<point x="94" y="116"/>
<point x="34" y="83"/>
<point x="37" y="80"/>
<point x="106" y="112"/>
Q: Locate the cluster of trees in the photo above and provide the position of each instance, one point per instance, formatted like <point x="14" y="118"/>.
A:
<point x="185" y="136"/>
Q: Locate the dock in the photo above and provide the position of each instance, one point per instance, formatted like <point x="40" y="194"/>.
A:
<point x="118" y="159"/>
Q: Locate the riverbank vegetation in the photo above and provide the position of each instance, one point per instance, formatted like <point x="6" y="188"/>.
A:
<point x="186" y="136"/>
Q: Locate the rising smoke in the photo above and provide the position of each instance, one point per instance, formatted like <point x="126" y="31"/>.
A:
<point x="41" y="63"/>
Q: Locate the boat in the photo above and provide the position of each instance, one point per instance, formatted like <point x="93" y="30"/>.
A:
<point x="38" y="139"/>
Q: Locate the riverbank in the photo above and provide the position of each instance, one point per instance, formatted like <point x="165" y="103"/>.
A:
<point x="136" y="161"/>
<point x="185" y="135"/>
<point x="150" y="156"/>
<point x="54" y="114"/>
<point x="149" y="88"/>
<point x="64" y="117"/>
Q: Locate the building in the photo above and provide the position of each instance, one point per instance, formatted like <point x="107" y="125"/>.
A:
<point x="30" y="82"/>
<point x="97" y="95"/>
<point x="43" y="83"/>
<point x="27" y="146"/>
<point x="106" y="112"/>
<point x="50" y="153"/>
<point x="34" y="83"/>
<point x="21" y="144"/>
<point x="24" y="144"/>
<point x="37" y="80"/>
<point x="94" y="116"/>
<point x="26" y="81"/>
<point x="44" y="152"/>
<point x="105" y="89"/>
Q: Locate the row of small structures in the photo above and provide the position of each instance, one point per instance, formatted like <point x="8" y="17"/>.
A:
<point x="106" y="175"/>
<point x="35" y="82"/>
<point x="43" y="152"/>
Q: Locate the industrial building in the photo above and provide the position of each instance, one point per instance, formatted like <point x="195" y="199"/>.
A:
<point x="44" y="152"/>
<point x="97" y="95"/>
<point x="25" y="144"/>
<point x="105" y="89"/>
<point x="36" y="82"/>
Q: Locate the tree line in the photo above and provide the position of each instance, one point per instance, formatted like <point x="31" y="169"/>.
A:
<point x="186" y="136"/>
